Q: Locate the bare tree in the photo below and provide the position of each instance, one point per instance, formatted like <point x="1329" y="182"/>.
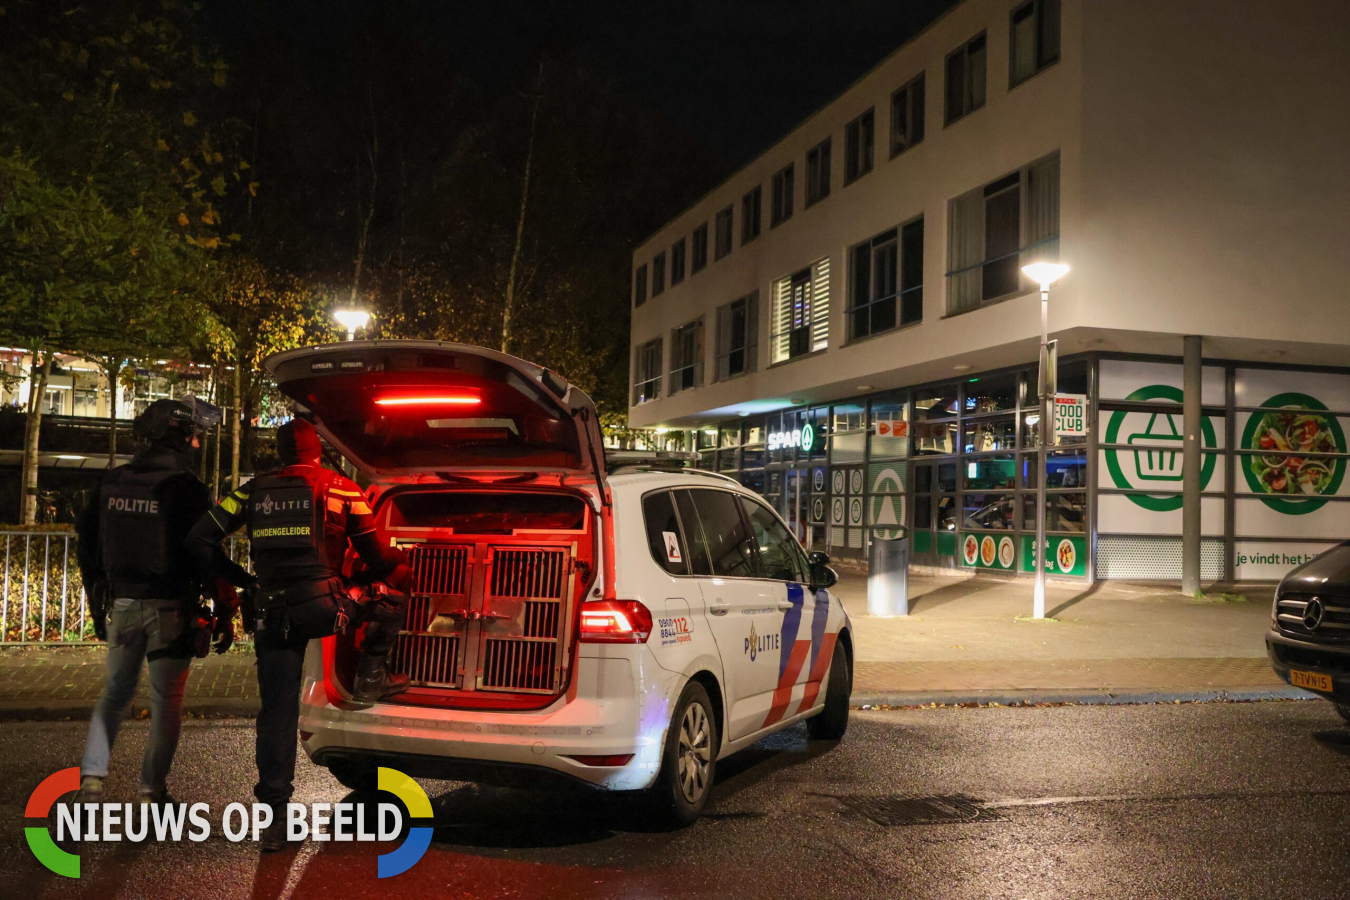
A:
<point x="520" y="219"/>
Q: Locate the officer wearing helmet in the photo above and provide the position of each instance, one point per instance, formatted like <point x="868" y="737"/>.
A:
<point x="301" y="519"/>
<point x="144" y="589"/>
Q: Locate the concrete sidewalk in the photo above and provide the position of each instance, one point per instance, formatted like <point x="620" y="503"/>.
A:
<point x="963" y="643"/>
<point x="971" y="639"/>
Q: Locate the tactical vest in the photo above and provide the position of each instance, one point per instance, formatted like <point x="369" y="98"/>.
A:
<point x="295" y="540"/>
<point x="134" y="537"/>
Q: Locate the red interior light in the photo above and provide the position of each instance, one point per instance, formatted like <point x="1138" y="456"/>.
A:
<point x="615" y="622"/>
<point x="442" y="400"/>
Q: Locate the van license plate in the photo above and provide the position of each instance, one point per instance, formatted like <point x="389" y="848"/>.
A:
<point x="1313" y="681"/>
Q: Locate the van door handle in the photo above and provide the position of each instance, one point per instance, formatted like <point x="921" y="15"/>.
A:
<point x="718" y="607"/>
<point x="785" y="604"/>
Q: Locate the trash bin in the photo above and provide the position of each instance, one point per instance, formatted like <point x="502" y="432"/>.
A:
<point x="888" y="574"/>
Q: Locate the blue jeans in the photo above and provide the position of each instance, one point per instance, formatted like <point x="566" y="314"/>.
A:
<point x="137" y="629"/>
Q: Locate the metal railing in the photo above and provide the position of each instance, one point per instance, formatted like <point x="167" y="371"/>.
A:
<point x="42" y="595"/>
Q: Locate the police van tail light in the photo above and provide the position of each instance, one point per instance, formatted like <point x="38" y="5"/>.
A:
<point x="615" y="622"/>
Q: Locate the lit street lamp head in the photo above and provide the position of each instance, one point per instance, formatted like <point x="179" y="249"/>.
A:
<point x="1045" y="273"/>
<point x="351" y="319"/>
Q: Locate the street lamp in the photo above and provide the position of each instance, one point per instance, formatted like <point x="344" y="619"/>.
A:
<point x="1044" y="274"/>
<point x="351" y="319"/>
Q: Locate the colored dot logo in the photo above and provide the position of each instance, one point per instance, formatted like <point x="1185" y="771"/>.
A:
<point x="40" y="803"/>
<point x="400" y="860"/>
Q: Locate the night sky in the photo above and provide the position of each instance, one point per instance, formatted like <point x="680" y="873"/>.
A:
<point x="735" y="76"/>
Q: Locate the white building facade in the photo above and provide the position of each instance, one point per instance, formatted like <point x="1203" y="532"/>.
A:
<point x="842" y="325"/>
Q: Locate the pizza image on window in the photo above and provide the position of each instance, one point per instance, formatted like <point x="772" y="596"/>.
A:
<point x="970" y="549"/>
<point x="1066" y="555"/>
<point x="987" y="551"/>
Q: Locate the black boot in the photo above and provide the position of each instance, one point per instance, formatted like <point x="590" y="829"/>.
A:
<point x="273" y="837"/>
<point x="374" y="681"/>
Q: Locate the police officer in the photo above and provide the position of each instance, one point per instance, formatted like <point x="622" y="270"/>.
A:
<point x="144" y="589"/>
<point x="301" y="519"/>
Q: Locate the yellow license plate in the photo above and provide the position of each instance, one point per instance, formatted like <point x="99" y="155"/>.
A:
<point x="1313" y="681"/>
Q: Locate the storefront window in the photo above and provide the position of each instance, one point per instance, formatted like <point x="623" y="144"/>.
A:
<point x="933" y="438"/>
<point x="938" y="403"/>
<point x="1066" y="468"/>
<point x="707" y="439"/>
<point x="946" y="513"/>
<point x="888" y="418"/>
<point x="988" y="512"/>
<point x="752" y="458"/>
<point x="946" y="477"/>
<point x="991" y="472"/>
<point x="730" y="435"/>
<point x="726" y="461"/>
<point x="983" y="435"/>
<point x="754" y="434"/>
<point x="753" y="479"/>
<point x="849" y="417"/>
<point x="1064" y="513"/>
<point x="992" y="394"/>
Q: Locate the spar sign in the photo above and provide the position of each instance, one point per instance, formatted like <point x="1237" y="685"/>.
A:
<point x="1071" y="415"/>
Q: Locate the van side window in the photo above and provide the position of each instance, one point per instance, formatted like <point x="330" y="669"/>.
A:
<point x="693" y="533"/>
<point x="779" y="557"/>
<point x="730" y="546"/>
<point x="663" y="533"/>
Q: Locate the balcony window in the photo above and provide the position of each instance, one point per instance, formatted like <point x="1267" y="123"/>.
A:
<point x="965" y="79"/>
<point x="686" y="356"/>
<point x="737" y="336"/>
<point x="647" y="372"/>
<point x="997" y="229"/>
<point x="1034" y="39"/>
<point x="886" y="283"/>
<point x="801" y="313"/>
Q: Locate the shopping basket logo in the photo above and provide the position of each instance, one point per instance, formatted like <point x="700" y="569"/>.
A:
<point x="1154" y="462"/>
<point x="1144" y="450"/>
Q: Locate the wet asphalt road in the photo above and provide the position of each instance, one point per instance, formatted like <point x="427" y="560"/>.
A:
<point x="1210" y="800"/>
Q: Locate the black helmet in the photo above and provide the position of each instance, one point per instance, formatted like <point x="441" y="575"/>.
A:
<point x="175" y="418"/>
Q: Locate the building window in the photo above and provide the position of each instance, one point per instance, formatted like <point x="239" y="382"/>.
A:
<point x="859" y="137"/>
<point x="818" y="172"/>
<point x="750" y="211"/>
<point x="965" y="79"/>
<point x="996" y="229"/>
<point x="700" y="248"/>
<point x="658" y="273"/>
<point x="686" y="356"/>
<point x="677" y="262"/>
<point x="907" y="108"/>
<point x="722" y="234"/>
<point x="737" y="336"/>
<point x="640" y="286"/>
<point x="782" y="197"/>
<point x="801" y="313"/>
<point x="1035" y="39"/>
<point x="647" y="372"/>
<point x="886" y="282"/>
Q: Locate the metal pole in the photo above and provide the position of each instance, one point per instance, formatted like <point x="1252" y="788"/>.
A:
<point x="1043" y="428"/>
<point x="1190" y="465"/>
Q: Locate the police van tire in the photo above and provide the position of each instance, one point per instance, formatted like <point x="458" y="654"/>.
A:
<point x="831" y="722"/>
<point x="355" y="774"/>
<point x="678" y="795"/>
<point x="1344" y="710"/>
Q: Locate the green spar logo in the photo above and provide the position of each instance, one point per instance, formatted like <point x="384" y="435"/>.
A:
<point x="1155" y="452"/>
<point x="40" y="841"/>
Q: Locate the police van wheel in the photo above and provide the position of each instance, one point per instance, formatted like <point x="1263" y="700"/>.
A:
<point x="1344" y="710"/>
<point x="358" y="775"/>
<point x="688" y="761"/>
<point x="831" y="722"/>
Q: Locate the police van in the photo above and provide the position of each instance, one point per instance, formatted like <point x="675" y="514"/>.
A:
<point x="626" y="625"/>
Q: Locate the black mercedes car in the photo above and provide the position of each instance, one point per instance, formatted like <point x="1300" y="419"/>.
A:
<point x="1309" y="637"/>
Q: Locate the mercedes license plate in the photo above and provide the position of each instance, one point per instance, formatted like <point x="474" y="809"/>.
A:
<point x="1313" y="681"/>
